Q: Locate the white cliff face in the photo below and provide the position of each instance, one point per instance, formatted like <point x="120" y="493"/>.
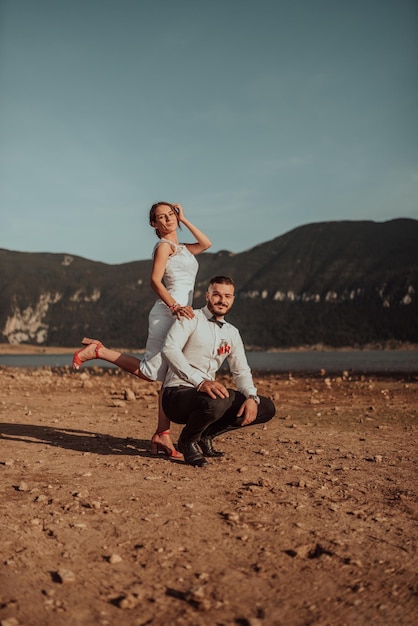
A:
<point x="67" y="260"/>
<point x="331" y="296"/>
<point x="407" y="299"/>
<point x="28" y="324"/>
<point x="81" y="296"/>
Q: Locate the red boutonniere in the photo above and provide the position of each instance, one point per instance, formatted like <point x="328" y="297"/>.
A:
<point x="224" y="348"/>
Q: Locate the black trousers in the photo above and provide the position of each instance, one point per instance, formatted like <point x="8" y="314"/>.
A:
<point x="204" y="416"/>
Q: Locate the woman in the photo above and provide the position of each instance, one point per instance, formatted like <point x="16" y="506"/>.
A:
<point x="173" y="277"/>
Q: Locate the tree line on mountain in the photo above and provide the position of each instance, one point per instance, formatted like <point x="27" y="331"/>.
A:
<point x="283" y="290"/>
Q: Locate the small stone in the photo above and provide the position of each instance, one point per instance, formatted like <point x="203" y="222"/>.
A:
<point x="9" y="621"/>
<point x="66" y="576"/>
<point x="118" y="403"/>
<point x="83" y="493"/>
<point x="115" y="558"/>
<point x="129" y="395"/>
<point x="196" y="594"/>
<point x="130" y="600"/>
<point x="41" y="498"/>
<point x="48" y="592"/>
<point x="23" y="486"/>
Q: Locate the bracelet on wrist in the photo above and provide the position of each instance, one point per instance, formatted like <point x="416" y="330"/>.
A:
<point x="173" y="307"/>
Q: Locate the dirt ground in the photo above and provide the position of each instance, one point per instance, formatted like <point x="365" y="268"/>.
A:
<point x="309" y="520"/>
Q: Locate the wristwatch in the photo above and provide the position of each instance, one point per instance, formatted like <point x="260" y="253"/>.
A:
<point x="255" y="398"/>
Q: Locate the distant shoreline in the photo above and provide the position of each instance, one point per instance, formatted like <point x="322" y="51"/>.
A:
<point x="16" y="349"/>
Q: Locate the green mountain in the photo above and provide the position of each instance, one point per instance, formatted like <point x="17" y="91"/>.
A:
<point x="346" y="283"/>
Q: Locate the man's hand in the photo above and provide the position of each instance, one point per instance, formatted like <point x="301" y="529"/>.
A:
<point x="249" y="411"/>
<point x="214" y="389"/>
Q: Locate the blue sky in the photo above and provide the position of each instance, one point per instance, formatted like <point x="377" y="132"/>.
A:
<point x="258" y="116"/>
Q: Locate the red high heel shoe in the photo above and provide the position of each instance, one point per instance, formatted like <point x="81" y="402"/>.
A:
<point x="77" y="362"/>
<point x="157" y="447"/>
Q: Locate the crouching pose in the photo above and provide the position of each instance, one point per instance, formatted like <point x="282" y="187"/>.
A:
<point x="195" y="349"/>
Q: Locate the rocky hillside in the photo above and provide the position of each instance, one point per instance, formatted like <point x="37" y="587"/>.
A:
<point x="333" y="283"/>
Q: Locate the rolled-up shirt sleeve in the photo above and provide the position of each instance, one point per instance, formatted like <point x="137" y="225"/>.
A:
<point x="239" y="367"/>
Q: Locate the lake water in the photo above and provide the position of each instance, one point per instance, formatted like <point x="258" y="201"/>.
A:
<point x="333" y="362"/>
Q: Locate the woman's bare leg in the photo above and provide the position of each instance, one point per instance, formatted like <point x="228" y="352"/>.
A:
<point x="162" y="435"/>
<point x="163" y="421"/>
<point x="95" y="349"/>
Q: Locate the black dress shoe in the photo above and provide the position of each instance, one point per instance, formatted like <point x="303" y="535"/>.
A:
<point x="206" y="445"/>
<point x="191" y="453"/>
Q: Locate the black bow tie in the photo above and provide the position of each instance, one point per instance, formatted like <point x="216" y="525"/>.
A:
<point x="218" y="322"/>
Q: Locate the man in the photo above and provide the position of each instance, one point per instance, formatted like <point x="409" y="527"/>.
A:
<point x="195" y="350"/>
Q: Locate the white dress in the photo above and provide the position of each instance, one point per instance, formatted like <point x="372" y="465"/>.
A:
<point x="179" y="279"/>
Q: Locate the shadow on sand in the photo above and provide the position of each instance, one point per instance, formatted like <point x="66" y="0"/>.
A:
<point x="72" y="439"/>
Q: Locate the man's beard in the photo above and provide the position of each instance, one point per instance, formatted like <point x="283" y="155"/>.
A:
<point x="220" y="314"/>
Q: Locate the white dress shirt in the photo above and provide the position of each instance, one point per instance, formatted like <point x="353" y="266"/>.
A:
<point x="196" y="348"/>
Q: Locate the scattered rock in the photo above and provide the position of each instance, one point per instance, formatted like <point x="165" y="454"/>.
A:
<point x="129" y="395"/>
<point x="131" y="597"/>
<point x="74" y="439"/>
<point x="118" y="403"/>
<point x="65" y="576"/>
<point x="130" y="601"/>
<point x="10" y="621"/>
<point x="231" y="517"/>
<point x="22" y="486"/>
<point x="41" y="498"/>
<point x="115" y="558"/>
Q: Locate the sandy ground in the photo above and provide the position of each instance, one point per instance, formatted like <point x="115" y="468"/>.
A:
<point x="309" y="520"/>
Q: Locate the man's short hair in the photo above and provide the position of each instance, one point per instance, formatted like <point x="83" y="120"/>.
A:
<point x="221" y="280"/>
